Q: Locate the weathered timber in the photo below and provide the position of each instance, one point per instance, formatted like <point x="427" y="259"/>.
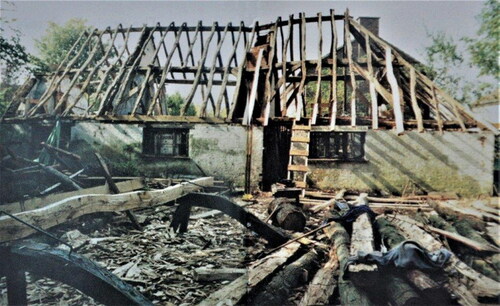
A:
<point x="362" y="241"/>
<point x="349" y="294"/>
<point x="493" y="232"/>
<point x="453" y="208"/>
<point x="322" y="286"/>
<point x="257" y="272"/>
<point x="39" y="202"/>
<point x="181" y="216"/>
<point x="74" y="207"/>
<point x="468" y="285"/>
<point x="114" y="189"/>
<point x="287" y="215"/>
<point x="282" y="285"/>
<point x="71" y="269"/>
<point x="391" y="238"/>
<point x="209" y="275"/>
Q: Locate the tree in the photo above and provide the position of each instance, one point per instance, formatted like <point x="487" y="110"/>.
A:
<point x="57" y="42"/>
<point x="484" y="47"/>
<point x="175" y="102"/>
<point x="13" y="62"/>
<point x="445" y="57"/>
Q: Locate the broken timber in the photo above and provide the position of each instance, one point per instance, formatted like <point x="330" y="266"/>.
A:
<point x="74" y="207"/>
<point x="72" y="269"/>
<point x="469" y="286"/>
<point x="181" y="216"/>
<point x="362" y="241"/>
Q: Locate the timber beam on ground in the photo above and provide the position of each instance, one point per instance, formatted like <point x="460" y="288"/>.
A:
<point x="69" y="268"/>
<point x="181" y="216"/>
<point x="79" y="205"/>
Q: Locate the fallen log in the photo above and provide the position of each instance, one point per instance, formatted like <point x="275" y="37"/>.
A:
<point x="61" y="151"/>
<point x="391" y="238"/>
<point x="322" y="286"/>
<point x="279" y="289"/>
<point x="39" y="202"/>
<point x="349" y="294"/>
<point x="74" y="207"/>
<point x="287" y="215"/>
<point x="259" y="270"/>
<point x="468" y="285"/>
<point x="452" y="208"/>
<point x="362" y="241"/>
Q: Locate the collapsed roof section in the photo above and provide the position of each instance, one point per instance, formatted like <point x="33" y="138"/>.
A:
<point x="287" y="69"/>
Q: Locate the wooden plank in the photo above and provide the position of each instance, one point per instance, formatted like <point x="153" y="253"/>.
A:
<point x="317" y="98"/>
<point x="39" y="202"/>
<point x="298" y="168"/>
<point x="362" y="241"/>
<point x="283" y="98"/>
<point x="299" y="152"/>
<point x="373" y="93"/>
<point x="267" y="84"/>
<point x="396" y="98"/>
<point x="435" y="102"/>
<point x="414" y="104"/>
<point x="209" y="275"/>
<point x="74" y="207"/>
<point x="348" y="44"/>
<point x="298" y="127"/>
<point x="257" y="272"/>
<point x="301" y="103"/>
<point x="333" y="84"/>
<point x="247" y="118"/>
<point x="300" y="184"/>
<point x="299" y="139"/>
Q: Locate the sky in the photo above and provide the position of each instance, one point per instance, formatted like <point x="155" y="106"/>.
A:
<point x="403" y="23"/>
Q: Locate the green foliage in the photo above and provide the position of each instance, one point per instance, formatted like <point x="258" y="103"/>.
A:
<point x="484" y="47"/>
<point x="444" y="56"/>
<point x="57" y="42"/>
<point x="175" y="103"/>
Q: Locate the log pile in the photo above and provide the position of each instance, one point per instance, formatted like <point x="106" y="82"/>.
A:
<point x="208" y="264"/>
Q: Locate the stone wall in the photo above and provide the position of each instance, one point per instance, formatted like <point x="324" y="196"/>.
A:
<point x="456" y="162"/>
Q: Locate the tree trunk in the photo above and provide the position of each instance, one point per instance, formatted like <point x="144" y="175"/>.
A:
<point x="286" y="215"/>
<point x="282" y="285"/>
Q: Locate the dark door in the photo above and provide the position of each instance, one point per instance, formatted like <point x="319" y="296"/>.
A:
<point x="276" y="152"/>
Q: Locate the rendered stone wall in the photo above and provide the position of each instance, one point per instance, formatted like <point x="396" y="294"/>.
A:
<point x="456" y="162"/>
<point x="218" y="149"/>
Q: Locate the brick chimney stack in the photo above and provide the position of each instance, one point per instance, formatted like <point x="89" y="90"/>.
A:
<point x="372" y="24"/>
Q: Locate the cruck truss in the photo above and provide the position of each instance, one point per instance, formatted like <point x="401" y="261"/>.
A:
<point x="326" y="68"/>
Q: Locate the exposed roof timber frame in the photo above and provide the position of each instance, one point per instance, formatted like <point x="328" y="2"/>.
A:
<point x="113" y="79"/>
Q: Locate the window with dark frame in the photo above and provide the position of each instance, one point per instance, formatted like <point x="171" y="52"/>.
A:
<point x="164" y="142"/>
<point x="340" y="146"/>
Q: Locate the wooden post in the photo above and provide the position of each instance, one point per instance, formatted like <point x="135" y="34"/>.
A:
<point x="348" y="44"/>
<point x="414" y="104"/>
<point x="16" y="287"/>
<point x="270" y="64"/>
<point x="373" y="93"/>
<point x="247" y="118"/>
<point x="333" y="84"/>
<point x="114" y="189"/>
<point x="317" y="99"/>
<point x="396" y="98"/>
<point x="302" y="102"/>
<point x="435" y="101"/>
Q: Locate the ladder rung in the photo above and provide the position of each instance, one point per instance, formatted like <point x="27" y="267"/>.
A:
<point x="300" y="139"/>
<point x="301" y="127"/>
<point x="300" y="184"/>
<point x="299" y="152"/>
<point x="298" y="168"/>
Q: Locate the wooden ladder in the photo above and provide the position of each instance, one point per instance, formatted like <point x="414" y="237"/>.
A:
<point x="299" y="152"/>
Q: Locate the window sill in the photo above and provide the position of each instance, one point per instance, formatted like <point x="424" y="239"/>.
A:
<point x="163" y="157"/>
<point x="337" y="160"/>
